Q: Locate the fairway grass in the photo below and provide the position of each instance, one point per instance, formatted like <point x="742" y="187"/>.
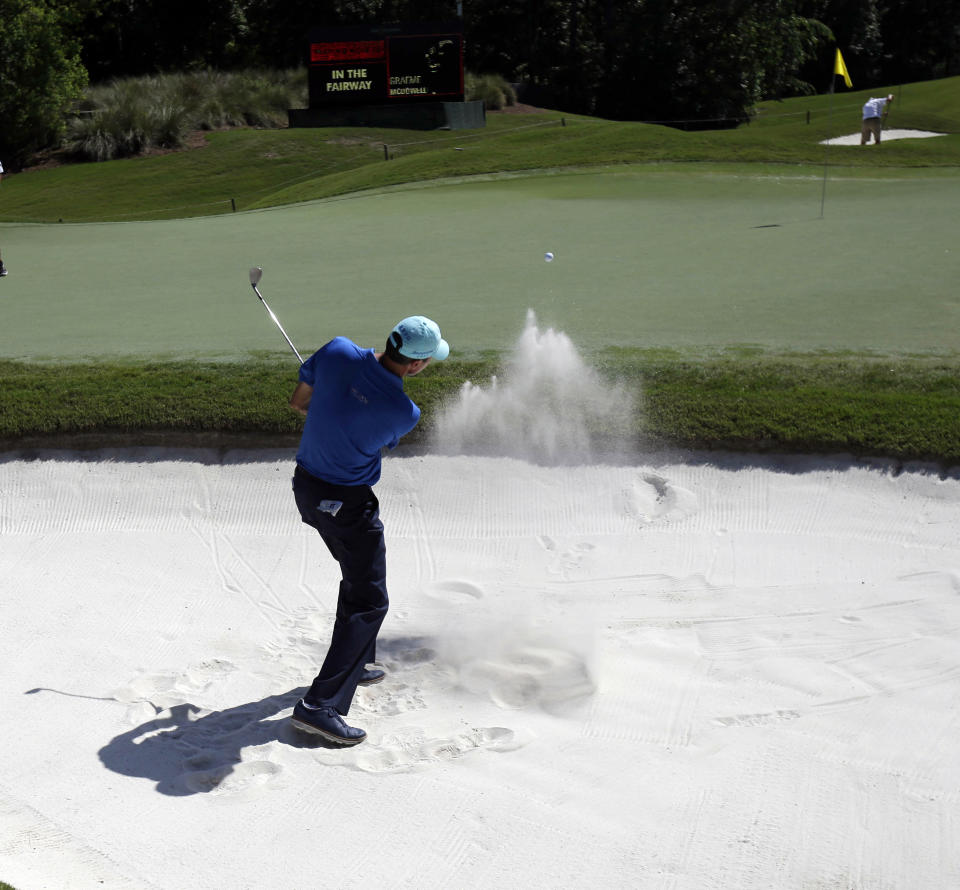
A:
<point x="755" y="289"/>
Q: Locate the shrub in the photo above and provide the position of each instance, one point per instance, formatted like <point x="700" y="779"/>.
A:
<point x="495" y="92"/>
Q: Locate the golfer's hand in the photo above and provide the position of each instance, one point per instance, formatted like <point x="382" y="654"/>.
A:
<point x="300" y="400"/>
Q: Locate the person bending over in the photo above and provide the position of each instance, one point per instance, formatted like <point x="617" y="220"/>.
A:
<point x="873" y="116"/>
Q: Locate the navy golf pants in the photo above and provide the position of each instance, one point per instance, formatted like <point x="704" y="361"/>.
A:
<point x="348" y="519"/>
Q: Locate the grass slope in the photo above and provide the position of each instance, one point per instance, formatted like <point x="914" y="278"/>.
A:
<point x="264" y="168"/>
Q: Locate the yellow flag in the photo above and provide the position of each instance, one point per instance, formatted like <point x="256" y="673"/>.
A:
<point x="839" y="67"/>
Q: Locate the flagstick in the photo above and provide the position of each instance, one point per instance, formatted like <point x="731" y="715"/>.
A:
<point x="839" y="67"/>
<point x="826" y="148"/>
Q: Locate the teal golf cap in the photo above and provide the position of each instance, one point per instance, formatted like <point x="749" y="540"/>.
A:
<point x="418" y="337"/>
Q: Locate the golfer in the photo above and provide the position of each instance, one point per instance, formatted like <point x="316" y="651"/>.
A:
<point x="355" y="405"/>
<point x="873" y="113"/>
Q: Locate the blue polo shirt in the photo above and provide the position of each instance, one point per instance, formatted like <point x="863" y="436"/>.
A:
<point x="357" y="407"/>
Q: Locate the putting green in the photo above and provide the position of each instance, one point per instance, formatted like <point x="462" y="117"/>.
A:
<point x="644" y="256"/>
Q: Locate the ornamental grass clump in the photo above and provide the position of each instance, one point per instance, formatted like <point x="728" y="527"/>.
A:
<point x="492" y="89"/>
<point x="134" y="115"/>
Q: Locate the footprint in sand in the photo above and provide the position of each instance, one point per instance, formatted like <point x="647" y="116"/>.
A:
<point x="418" y="678"/>
<point x="224" y="751"/>
<point x="230" y="777"/>
<point x="454" y="591"/>
<point x="391" y="699"/>
<point x="165" y="690"/>
<point x="414" y="672"/>
<point x="189" y="749"/>
<point x="566" y="561"/>
<point x="412" y="748"/>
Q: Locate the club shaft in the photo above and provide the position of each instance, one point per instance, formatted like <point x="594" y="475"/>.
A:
<point x="276" y="321"/>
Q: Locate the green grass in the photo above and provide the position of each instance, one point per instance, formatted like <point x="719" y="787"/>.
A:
<point x="248" y="168"/>
<point x="645" y="257"/>
<point x="898" y="405"/>
<point x="242" y="168"/>
<point x="907" y="408"/>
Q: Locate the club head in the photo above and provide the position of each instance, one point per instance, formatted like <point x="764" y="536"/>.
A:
<point x="256" y="273"/>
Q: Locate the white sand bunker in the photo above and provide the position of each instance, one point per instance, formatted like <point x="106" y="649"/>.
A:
<point x="735" y="675"/>
<point x="635" y="676"/>
<point x="888" y="135"/>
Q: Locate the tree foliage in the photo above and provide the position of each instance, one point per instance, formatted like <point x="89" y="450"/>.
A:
<point x="702" y="62"/>
<point x="40" y="74"/>
<point x="650" y="59"/>
<point x="898" y="41"/>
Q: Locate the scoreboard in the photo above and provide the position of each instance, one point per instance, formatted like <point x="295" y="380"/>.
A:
<point x="384" y="65"/>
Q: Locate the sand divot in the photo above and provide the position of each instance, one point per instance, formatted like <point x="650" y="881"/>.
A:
<point x="653" y="498"/>
<point x="528" y="676"/>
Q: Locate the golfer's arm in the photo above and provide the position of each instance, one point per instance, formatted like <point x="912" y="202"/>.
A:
<point x="300" y="400"/>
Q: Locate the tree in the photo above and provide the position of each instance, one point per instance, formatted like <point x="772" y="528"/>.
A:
<point x="922" y="40"/>
<point x="40" y="75"/>
<point x="858" y="28"/>
<point x="704" y="62"/>
<point x="133" y="37"/>
<point x="894" y="41"/>
<point x="277" y="29"/>
<point x="553" y="46"/>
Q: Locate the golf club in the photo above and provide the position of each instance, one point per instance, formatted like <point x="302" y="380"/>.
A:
<point x="256" y="273"/>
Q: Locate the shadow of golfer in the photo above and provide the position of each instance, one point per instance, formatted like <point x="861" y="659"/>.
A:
<point x="186" y="754"/>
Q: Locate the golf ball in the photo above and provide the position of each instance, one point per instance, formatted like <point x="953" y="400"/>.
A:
<point x="548" y="257"/>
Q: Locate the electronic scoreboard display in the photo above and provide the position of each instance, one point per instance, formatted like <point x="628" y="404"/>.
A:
<point x="385" y="65"/>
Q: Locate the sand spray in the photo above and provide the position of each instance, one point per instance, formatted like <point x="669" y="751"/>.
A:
<point x="550" y="407"/>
